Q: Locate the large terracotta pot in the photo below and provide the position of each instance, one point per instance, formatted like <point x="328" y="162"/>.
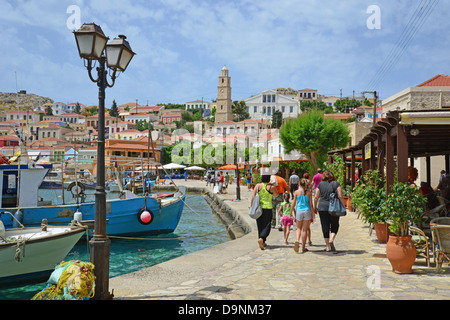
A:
<point x="381" y="231"/>
<point x="349" y="204"/>
<point x="401" y="253"/>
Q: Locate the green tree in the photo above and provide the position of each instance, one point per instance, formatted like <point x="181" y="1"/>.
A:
<point x="277" y="119"/>
<point x="48" y="111"/>
<point x="239" y="110"/>
<point x="307" y="105"/>
<point x="142" y="125"/>
<point x="114" y="111"/>
<point x="346" y="105"/>
<point x="77" y="108"/>
<point x="314" y="135"/>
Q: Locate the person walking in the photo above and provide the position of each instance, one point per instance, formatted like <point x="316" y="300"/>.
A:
<point x="293" y="183"/>
<point x="285" y="214"/>
<point x="317" y="179"/>
<point x="208" y="179"/>
<point x="303" y="213"/>
<point x="265" y="190"/>
<point x="310" y="185"/>
<point x="282" y="187"/>
<point x="329" y="223"/>
<point x="220" y="180"/>
<point x="249" y="181"/>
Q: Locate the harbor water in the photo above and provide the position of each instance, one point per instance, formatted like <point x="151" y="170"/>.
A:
<point x="198" y="229"/>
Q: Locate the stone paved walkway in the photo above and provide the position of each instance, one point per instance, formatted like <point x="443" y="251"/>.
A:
<point x="239" y="270"/>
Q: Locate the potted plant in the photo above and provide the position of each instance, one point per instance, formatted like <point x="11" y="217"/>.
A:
<point x="348" y="197"/>
<point x="370" y="196"/>
<point x="404" y="205"/>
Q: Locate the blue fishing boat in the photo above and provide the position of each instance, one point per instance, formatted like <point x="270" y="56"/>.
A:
<point x="128" y="214"/>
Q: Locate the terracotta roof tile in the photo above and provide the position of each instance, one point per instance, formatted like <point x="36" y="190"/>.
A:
<point x="441" y="80"/>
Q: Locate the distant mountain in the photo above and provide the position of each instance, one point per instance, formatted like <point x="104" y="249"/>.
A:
<point x="8" y="101"/>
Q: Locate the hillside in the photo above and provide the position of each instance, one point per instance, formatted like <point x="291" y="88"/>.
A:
<point x="8" y="101"/>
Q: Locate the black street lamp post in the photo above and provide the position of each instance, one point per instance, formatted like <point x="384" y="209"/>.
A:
<point x="116" y="55"/>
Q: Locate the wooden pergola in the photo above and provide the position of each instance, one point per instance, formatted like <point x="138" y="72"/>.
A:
<point x="396" y="140"/>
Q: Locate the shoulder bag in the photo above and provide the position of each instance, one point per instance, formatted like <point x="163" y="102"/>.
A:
<point x="336" y="208"/>
<point x="255" y="210"/>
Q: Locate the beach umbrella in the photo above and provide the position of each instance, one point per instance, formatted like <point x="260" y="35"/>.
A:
<point x="231" y="167"/>
<point x="172" y="166"/>
<point x="195" y="168"/>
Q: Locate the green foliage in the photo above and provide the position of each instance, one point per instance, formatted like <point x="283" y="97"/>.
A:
<point x="307" y="105"/>
<point x="370" y="196"/>
<point x="346" y="105"/>
<point x="239" y="110"/>
<point x="277" y="119"/>
<point x="172" y="106"/>
<point x="314" y="135"/>
<point x="338" y="169"/>
<point x="77" y="109"/>
<point x="48" y="111"/>
<point x="404" y="204"/>
<point x="209" y="155"/>
<point x="114" y="111"/>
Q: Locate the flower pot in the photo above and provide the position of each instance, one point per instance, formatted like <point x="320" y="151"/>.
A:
<point x="381" y="231"/>
<point x="401" y="253"/>
<point x="345" y="201"/>
<point x="349" y="204"/>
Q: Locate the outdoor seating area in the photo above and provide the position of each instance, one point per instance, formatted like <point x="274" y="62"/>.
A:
<point x="391" y="148"/>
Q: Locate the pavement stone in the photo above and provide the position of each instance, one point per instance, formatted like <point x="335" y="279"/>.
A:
<point x="239" y="270"/>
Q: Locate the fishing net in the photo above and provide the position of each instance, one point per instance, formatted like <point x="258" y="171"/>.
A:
<point x="72" y="280"/>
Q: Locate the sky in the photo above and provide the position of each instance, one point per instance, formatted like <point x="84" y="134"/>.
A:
<point x="181" y="46"/>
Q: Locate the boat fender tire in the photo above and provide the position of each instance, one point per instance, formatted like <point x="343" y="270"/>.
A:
<point x="76" y="184"/>
<point x="145" y="216"/>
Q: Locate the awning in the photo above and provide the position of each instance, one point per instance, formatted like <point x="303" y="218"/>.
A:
<point x="428" y="118"/>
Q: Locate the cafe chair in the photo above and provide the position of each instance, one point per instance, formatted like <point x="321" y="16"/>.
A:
<point x="441" y="243"/>
<point x="445" y="202"/>
<point x="421" y="242"/>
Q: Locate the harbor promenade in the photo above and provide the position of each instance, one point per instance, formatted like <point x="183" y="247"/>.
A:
<point x="240" y="270"/>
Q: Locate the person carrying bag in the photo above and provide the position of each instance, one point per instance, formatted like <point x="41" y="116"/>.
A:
<point x="336" y="208"/>
<point x="328" y="220"/>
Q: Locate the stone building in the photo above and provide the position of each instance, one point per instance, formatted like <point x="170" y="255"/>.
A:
<point x="431" y="94"/>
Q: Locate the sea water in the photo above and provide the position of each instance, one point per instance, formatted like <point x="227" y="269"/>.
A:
<point x="198" y="229"/>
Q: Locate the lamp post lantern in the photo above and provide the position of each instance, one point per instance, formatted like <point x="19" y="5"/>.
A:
<point x="116" y="55"/>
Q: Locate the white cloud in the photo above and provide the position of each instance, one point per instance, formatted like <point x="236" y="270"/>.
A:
<point x="182" y="45"/>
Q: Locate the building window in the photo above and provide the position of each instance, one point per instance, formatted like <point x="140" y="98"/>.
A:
<point x="255" y="109"/>
<point x="283" y="109"/>
<point x="291" y="109"/>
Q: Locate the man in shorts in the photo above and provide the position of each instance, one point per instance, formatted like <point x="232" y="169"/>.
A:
<point x="282" y="187"/>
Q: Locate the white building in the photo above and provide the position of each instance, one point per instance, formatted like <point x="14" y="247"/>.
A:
<point x="263" y="105"/>
<point x="197" y="104"/>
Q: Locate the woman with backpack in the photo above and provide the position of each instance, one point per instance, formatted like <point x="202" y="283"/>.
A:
<point x="266" y="191"/>
<point x="330" y="223"/>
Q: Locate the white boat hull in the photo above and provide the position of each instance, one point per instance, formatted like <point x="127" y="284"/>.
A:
<point x="40" y="253"/>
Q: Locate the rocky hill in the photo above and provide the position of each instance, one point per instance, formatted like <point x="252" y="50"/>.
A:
<point x="8" y="101"/>
<point x="287" y="91"/>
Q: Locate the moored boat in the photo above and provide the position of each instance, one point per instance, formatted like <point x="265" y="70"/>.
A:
<point x="128" y="214"/>
<point x="32" y="253"/>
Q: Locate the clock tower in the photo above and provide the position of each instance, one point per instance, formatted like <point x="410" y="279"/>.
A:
<point x="224" y="103"/>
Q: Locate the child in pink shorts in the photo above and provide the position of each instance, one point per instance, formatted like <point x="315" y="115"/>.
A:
<point x="285" y="217"/>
